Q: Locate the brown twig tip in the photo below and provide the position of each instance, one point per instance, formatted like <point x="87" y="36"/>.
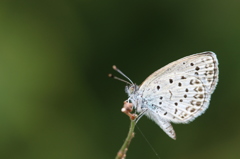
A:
<point x="133" y="116"/>
<point x="124" y="110"/>
<point x="128" y="106"/>
<point x="127" y="109"/>
<point x="114" y="67"/>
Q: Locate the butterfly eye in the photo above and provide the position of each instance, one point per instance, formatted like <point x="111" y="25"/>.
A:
<point x="132" y="88"/>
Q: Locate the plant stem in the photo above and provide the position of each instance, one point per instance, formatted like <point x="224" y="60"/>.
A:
<point x="123" y="151"/>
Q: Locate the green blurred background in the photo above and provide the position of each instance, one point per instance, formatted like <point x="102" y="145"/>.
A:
<point x="56" y="101"/>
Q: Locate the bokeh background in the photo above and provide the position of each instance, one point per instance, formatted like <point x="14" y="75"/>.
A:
<point x="56" y="101"/>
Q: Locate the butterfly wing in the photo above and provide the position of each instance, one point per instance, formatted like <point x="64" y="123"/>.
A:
<point x="181" y="91"/>
<point x="205" y="64"/>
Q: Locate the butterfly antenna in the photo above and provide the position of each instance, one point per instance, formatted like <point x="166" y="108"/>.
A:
<point x="116" y="69"/>
<point x="117" y="78"/>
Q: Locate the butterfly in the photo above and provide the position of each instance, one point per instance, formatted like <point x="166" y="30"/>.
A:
<point x="177" y="93"/>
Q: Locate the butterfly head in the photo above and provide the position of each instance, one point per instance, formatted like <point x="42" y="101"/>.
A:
<point x="131" y="89"/>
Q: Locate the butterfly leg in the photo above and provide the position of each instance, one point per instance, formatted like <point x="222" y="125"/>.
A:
<point x="144" y="110"/>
